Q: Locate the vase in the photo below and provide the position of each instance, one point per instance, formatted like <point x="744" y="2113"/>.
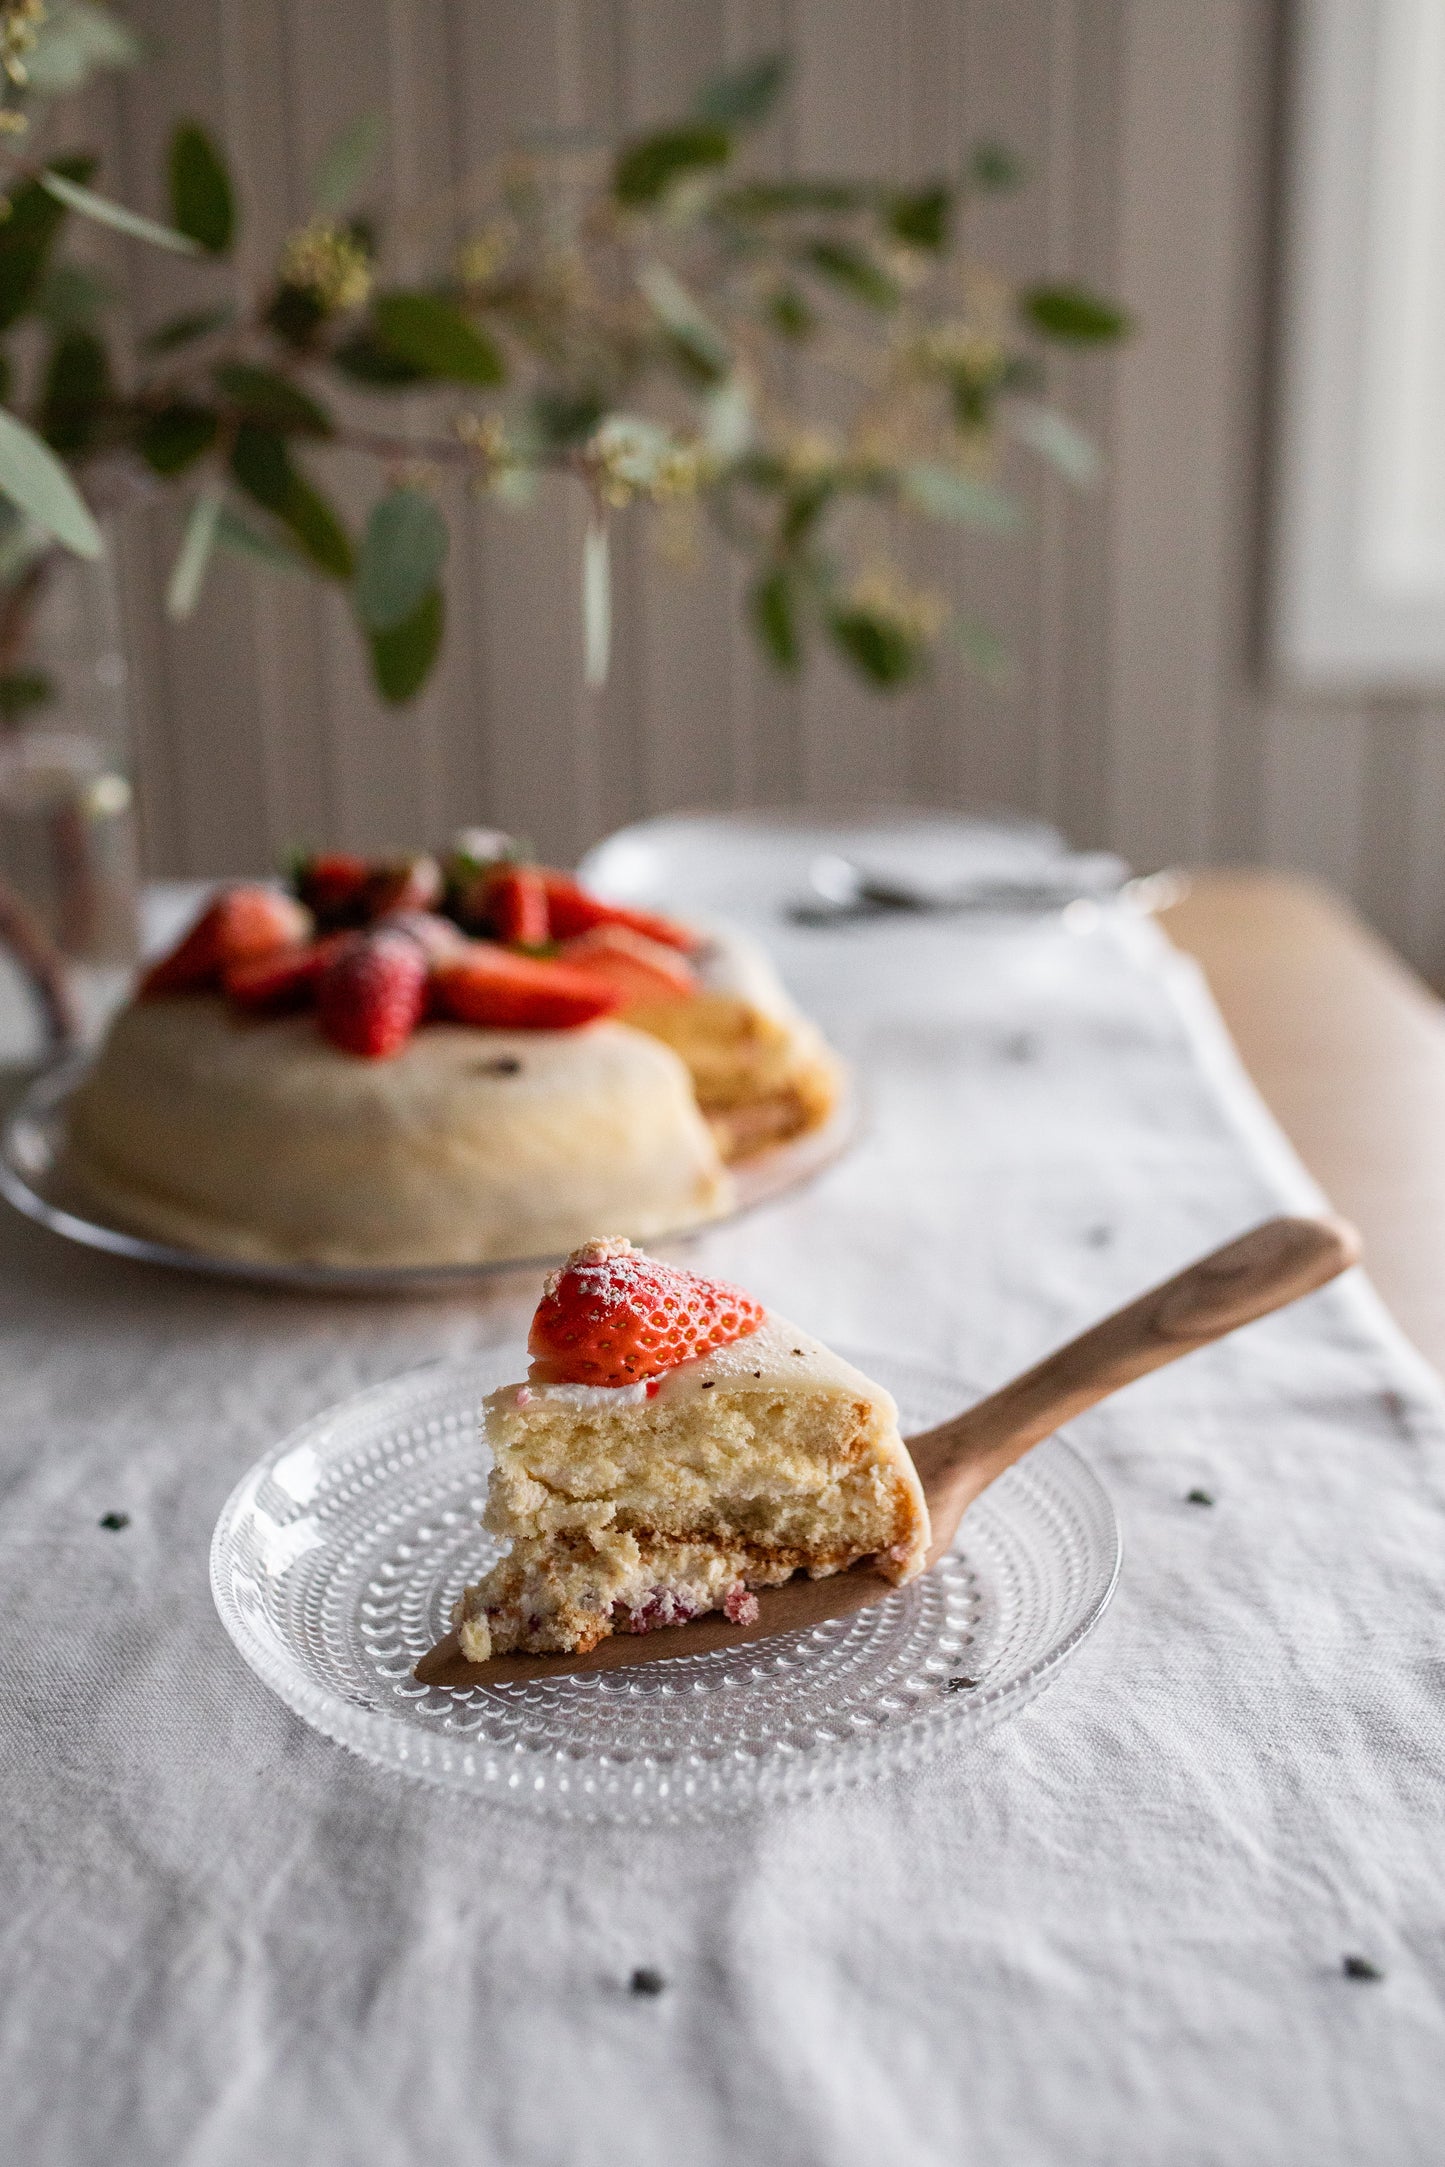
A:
<point x="69" y="877"/>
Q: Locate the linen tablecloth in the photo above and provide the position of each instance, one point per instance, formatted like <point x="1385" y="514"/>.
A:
<point x="1111" y="1931"/>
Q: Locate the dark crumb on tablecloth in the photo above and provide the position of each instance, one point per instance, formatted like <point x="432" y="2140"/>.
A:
<point x="707" y="1384"/>
<point x="115" y="1520"/>
<point x="1360" y="1967"/>
<point x="1198" y="1497"/>
<point x="1099" y="1237"/>
<point x="646" y="1981"/>
<point x="506" y="1064"/>
<point x="960" y="1685"/>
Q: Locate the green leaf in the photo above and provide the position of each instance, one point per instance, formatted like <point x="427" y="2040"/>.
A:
<point x="33" y="478"/>
<point x="845" y="265"/>
<point x="243" y="540"/>
<point x="77" y="382"/>
<point x="922" y="218"/>
<point x="878" y="647"/>
<point x="402" y="659"/>
<point x="790" y="315"/>
<point x="366" y="361"/>
<point x="295" y="316"/>
<point x="437" y="339"/>
<point x="76" y="41"/>
<point x="263" y="396"/>
<point x="743" y="97"/>
<point x="72" y="297"/>
<point x="695" y="340"/>
<point x="943" y="493"/>
<point x="203" y="206"/>
<point x="773" y="608"/>
<point x="645" y="170"/>
<point x="27" y="236"/>
<point x="263" y="467"/>
<point x="993" y="169"/>
<point x="189" y="570"/>
<point x="1073" y="315"/>
<point x="179" y="331"/>
<point x="23" y="690"/>
<point x="346" y="162"/>
<point x="566" y="417"/>
<point x="115" y="215"/>
<point x="400" y="560"/>
<point x="1055" y="438"/>
<point x="175" y="436"/>
<point x="775" y="199"/>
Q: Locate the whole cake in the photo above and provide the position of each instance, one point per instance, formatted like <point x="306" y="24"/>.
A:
<point x="423" y="1064"/>
<point x="674" y="1447"/>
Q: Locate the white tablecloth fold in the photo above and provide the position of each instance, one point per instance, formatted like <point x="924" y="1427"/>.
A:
<point x="1110" y="1932"/>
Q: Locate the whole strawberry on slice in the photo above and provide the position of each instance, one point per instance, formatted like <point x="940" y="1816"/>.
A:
<point x="613" y="1316"/>
<point x="372" y="994"/>
<point x="572" y="910"/>
<point x="274" y="985"/>
<point x="332" y="884"/>
<point x="239" y="926"/>
<point x="640" y="969"/>
<point x="498" y="990"/>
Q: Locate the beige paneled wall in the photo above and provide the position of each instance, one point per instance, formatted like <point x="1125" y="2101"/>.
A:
<point x="1137" y="718"/>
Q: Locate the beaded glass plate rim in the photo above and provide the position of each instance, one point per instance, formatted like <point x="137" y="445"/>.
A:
<point x="32" y="1133"/>
<point x="519" y="1776"/>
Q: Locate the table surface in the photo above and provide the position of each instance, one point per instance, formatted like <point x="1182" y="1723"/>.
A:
<point x="1347" y="1046"/>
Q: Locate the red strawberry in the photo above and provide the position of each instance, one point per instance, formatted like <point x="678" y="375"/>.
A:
<point x="493" y="987"/>
<point x="514" y="902"/>
<point x="573" y="910"/>
<point x="640" y="969"/>
<point x="613" y="1316"/>
<point x="275" y="984"/>
<point x="240" y="926"/>
<point x="372" y="993"/>
<point x="333" y="884"/>
<point x="408" y="884"/>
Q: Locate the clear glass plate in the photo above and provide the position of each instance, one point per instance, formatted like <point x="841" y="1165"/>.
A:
<point x="337" y="1559"/>
<point x="33" y="1178"/>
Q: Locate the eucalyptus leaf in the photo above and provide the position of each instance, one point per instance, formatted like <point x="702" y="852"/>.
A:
<point x="264" y="396"/>
<point x="696" y="339"/>
<point x="33" y="479"/>
<point x="1055" y="438"/>
<point x="264" y="468"/>
<point x="21" y="541"/>
<point x="74" y="41"/>
<point x="366" y="361"/>
<point x="743" y="97"/>
<point x="921" y="217"/>
<point x="115" y="215"/>
<point x="850" y="268"/>
<point x="647" y="169"/>
<point x="76" y="386"/>
<point x="402" y="659"/>
<point x="346" y="162"/>
<point x="436" y="338"/>
<point x="72" y="296"/>
<point x="944" y="493"/>
<point x="401" y="557"/>
<point x="243" y="540"/>
<point x="203" y="204"/>
<point x="729" y="423"/>
<point x="879" y="648"/>
<point x="182" y="330"/>
<point x="28" y="235"/>
<point x="596" y="604"/>
<point x="173" y="437"/>
<point x="1072" y="315"/>
<point x="774" y="199"/>
<point x="773" y="607"/>
<point x="194" y="555"/>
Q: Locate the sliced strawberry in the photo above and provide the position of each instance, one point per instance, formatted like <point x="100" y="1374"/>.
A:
<point x="572" y="910"/>
<point x="612" y="1316"/>
<point x="498" y="990"/>
<point x="333" y="885"/>
<point x="275" y="984"/>
<point x="515" y="902"/>
<point x="639" y="968"/>
<point x="372" y="994"/>
<point x="239" y="926"/>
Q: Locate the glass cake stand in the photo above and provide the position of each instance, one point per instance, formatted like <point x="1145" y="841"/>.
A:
<point x="34" y="1179"/>
<point x="337" y="1559"/>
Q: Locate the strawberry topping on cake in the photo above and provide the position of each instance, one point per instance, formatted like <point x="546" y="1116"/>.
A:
<point x="612" y="1316"/>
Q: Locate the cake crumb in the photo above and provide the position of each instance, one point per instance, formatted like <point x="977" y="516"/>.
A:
<point x="646" y="1981"/>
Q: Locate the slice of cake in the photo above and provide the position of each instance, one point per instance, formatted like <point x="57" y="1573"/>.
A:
<point x="675" y="1447"/>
